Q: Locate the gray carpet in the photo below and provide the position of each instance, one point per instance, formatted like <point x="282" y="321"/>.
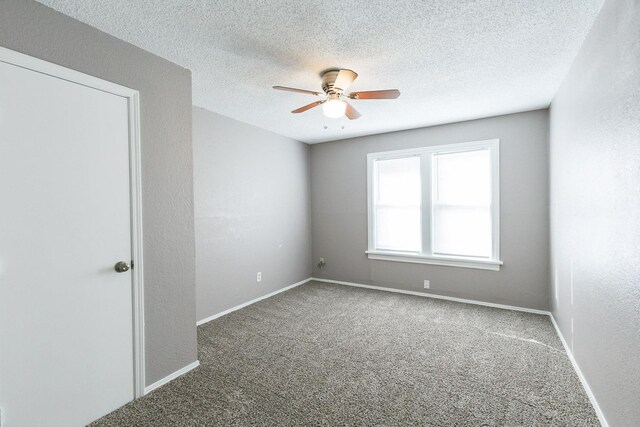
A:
<point x="331" y="355"/>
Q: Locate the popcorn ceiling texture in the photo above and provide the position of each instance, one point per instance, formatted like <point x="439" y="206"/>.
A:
<point x="452" y="60"/>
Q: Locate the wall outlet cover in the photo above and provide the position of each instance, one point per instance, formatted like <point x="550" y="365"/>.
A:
<point x="427" y="284"/>
<point x="259" y="277"/>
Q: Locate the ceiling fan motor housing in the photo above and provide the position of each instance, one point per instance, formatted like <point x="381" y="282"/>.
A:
<point x="329" y="80"/>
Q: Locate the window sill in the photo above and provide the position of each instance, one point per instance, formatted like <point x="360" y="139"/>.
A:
<point x="435" y="260"/>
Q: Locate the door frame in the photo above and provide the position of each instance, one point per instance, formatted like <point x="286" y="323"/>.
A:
<point x="135" y="183"/>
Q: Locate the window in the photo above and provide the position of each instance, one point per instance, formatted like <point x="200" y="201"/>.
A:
<point x="436" y="205"/>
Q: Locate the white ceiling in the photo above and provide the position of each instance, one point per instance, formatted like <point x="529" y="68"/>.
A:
<point x="452" y="60"/>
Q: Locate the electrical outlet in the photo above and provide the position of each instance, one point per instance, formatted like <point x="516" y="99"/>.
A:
<point x="427" y="284"/>
<point x="259" y="277"/>
<point x="321" y="260"/>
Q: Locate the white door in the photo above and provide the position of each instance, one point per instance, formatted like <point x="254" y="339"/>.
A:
<point x="66" y="335"/>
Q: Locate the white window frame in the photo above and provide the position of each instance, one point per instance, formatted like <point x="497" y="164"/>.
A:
<point x="426" y="256"/>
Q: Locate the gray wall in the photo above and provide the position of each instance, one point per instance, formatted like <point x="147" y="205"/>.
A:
<point x="165" y="100"/>
<point x="339" y="212"/>
<point x="595" y="210"/>
<point x="252" y="211"/>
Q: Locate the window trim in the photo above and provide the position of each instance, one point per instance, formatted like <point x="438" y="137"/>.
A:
<point x="425" y="154"/>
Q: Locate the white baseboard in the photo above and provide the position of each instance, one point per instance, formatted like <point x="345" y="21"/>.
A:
<point x="238" y="307"/>
<point x="582" y="378"/>
<point x="428" y="295"/>
<point x="172" y="376"/>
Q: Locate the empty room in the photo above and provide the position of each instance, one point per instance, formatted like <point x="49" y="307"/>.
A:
<point x="319" y="213"/>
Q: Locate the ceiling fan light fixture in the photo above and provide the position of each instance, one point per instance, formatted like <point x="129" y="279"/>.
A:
<point x="334" y="104"/>
<point x="334" y="107"/>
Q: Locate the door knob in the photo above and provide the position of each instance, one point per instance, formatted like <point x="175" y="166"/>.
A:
<point x="122" y="266"/>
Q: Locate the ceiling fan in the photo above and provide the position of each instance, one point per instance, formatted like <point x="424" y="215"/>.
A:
<point x="334" y="104"/>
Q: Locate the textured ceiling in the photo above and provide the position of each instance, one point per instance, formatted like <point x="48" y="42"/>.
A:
<point x="452" y="60"/>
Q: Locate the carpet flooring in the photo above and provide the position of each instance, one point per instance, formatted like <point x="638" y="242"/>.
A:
<point x="331" y="355"/>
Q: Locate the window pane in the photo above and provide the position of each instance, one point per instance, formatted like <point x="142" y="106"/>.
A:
<point x="462" y="231"/>
<point x="462" y="203"/>
<point x="399" y="181"/>
<point x="463" y="178"/>
<point x="397" y="204"/>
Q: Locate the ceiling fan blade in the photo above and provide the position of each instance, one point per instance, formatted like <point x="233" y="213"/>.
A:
<point x="351" y="112"/>
<point x="292" y="89"/>
<point x="344" y="79"/>
<point x="376" y="94"/>
<point x="307" y="107"/>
